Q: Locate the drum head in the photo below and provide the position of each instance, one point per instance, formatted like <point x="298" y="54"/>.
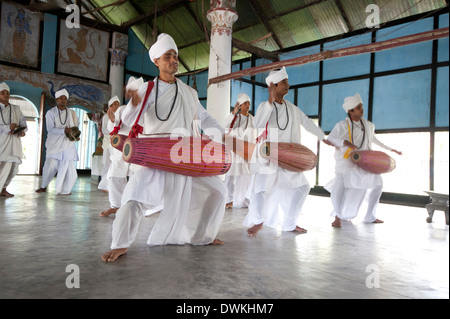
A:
<point x="126" y="149"/>
<point x="265" y="150"/>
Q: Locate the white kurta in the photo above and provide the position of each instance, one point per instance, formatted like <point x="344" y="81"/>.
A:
<point x="277" y="194"/>
<point x="11" y="152"/>
<point x="193" y="206"/>
<point x="119" y="170"/>
<point x="106" y="161"/>
<point x="60" y="151"/>
<point x="238" y="177"/>
<point x="352" y="183"/>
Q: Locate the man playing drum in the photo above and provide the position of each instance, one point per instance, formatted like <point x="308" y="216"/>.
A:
<point x="352" y="184"/>
<point x="276" y="189"/>
<point x="193" y="206"/>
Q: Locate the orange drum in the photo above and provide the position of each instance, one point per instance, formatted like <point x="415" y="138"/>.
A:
<point x="291" y="156"/>
<point x="191" y="156"/>
<point x="375" y="162"/>
<point x="117" y="141"/>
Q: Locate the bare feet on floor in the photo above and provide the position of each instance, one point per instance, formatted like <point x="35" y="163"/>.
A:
<point x="41" y="190"/>
<point x="377" y="221"/>
<point x="337" y="222"/>
<point x="5" y="193"/>
<point x="252" y="231"/>
<point x="108" y="212"/>
<point x="229" y="205"/>
<point x="300" y="230"/>
<point x="113" y="254"/>
<point x="217" y="242"/>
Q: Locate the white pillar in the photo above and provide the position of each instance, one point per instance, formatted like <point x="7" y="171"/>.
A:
<point x="222" y="16"/>
<point x="117" y="66"/>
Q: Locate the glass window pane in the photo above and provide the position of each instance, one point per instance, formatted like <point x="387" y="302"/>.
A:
<point x="261" y="95"/>
<point x="442" y="97"/>
<point x="443" y="43"/>
<point x="350" y="65"/>
<point x="261" y="77"/>
<point x="412" y="172"/>
<point x="310" y="141"/>
<point x="305" y="73"/>
<point x="326" y="164"/>
<point x="441" y="154"/>
<point x="87" y="143"/>
<point x="417" y="54"/>
<point x="308" y="100"/>
<point x="333" y="98"/>
<point x="202" y="84"/>
<point x="402" y="100"/>
<point x="411" y="175"/>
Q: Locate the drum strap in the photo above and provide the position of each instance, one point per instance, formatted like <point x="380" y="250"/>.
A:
<point x="137" y="129"/>
<point x="349" y="150"/>
<point x="263" y="136"/>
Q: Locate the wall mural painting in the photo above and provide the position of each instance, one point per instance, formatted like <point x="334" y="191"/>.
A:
<point x="19" y="37"/>
<point x="84" y="52"/>
<point x="88" y="94"/>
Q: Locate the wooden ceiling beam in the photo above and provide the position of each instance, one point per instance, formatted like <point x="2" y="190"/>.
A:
<point x="247" y="47"/>
<point x="325" y="55"/>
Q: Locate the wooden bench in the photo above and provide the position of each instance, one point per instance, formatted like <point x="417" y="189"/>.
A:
<point x="438" y="202"/>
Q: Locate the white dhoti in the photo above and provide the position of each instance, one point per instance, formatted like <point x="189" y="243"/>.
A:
<point x="192" y="214"/>
<point x="277" y="200"/>
<point x="7" y="172"/>
<point x="66" y="178"/>
<point x="350" y="190"/>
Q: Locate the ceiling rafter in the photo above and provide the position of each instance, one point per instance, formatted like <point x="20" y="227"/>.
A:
<point x="344" y="15"/>
<point x="163" y="9"/>
<point x="265" y="21"/>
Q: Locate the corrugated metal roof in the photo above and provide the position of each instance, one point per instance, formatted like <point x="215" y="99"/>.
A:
<point x="281" y="24"/>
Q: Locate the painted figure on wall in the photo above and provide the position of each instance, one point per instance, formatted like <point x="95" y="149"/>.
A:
<point x="21" y="29"/>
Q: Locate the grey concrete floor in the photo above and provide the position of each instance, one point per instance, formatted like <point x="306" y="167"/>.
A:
<point x="42" y="234"/>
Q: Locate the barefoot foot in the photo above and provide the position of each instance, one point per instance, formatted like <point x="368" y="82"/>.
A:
<point x="252" y="231"/>
<point x="5" y="193"/>
<point x="337" y="222"/>
<point x="377" y="221"/>
<point x="217" y="242"/>
<point x="113" y="254"/>
<point x="41" y="190"/>
<point x="300" y="230"/>
<point x="108" y="212"/>
<point x="229" y="205"/>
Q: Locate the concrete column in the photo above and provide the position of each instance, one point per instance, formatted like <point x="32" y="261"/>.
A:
<point x="222" y="16"/>
<point x="117" y="66"/>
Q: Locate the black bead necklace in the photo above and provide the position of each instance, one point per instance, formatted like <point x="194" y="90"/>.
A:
<point x="156" y="101"/>
<point x="287" y="113"/>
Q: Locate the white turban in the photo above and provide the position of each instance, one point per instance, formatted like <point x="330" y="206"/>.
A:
<point x="113" y="99"/>
<point x="351" y="102"/>
<point x="242" y="98"/>
<point x="61" y="93"/>
<point x="164" y="43"/>
<point x="4" y="86"/>
<point x="276" y="76"/>
<point x="133" y="84"/>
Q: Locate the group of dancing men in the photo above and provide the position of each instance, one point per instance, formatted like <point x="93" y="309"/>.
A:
<point x="192" y="208"/>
